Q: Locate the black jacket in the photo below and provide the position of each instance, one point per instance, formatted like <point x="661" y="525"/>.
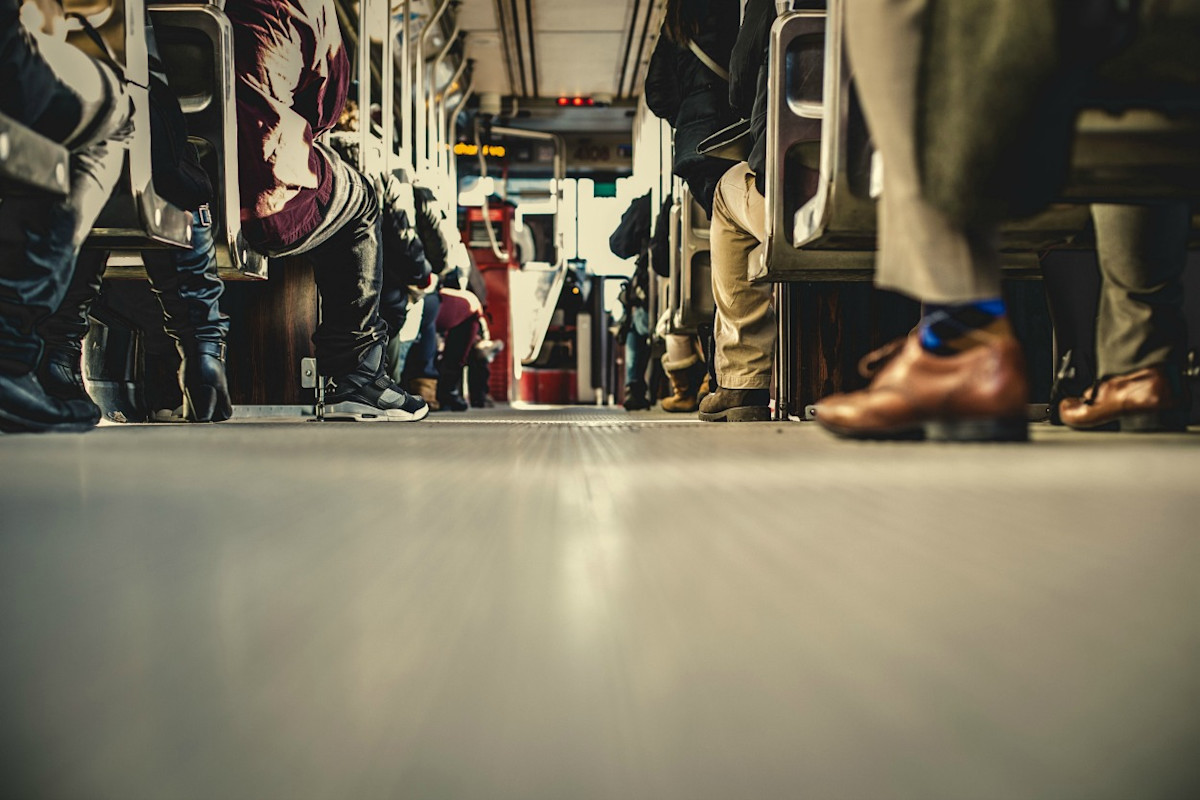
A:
<point x="632" y="238"/>
<point x="31" y="92"/>
<point x="686" y="93"/>
<point x="633" y="231"/>
<point x="429" y="228"/>
<point x="748" y="78"/>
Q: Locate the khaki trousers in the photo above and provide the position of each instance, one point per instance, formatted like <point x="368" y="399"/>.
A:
<point x="744" y="328"/>
<point x="920" y="253"/>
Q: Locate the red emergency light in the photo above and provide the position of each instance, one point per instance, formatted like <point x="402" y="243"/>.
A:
<point x="576" y="101"/>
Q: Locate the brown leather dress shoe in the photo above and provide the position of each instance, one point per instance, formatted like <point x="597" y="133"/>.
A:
<point x="1146" y="400"/>
<point x="979" y="394"/>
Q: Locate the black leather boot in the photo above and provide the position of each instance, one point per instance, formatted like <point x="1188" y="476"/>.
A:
<point x="25" y="407"/>
<point x="450" y="396"/>
<point x="188" y="288"/>
<point x="450" y="367"/>
<point x="60" y="372"/>
<point x="202" y="379"/>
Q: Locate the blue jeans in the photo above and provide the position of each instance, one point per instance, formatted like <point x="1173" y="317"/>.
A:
<point x="40" y="237"/>
<point x="637" y="346"/>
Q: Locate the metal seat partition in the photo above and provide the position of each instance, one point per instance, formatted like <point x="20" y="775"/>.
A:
<point x="135" y="216"/>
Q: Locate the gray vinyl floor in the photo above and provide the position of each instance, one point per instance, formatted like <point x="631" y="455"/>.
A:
<point x="581" y="603"/>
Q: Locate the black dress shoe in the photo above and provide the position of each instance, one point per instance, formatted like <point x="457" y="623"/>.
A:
<point x="25" y="407"/>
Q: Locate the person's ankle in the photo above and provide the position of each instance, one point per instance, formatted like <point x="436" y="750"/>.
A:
<point x="948" y="329"/>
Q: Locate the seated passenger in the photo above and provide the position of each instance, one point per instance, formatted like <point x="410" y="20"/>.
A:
<point x="463" y="327"/>
<point x="1141" y="334"/>
<point x="53" y="88"/>
<point x="439" y="379"/>
<point x="685" y="85"/>
<point x="961" y="374"/>
<point x="299" y="197"/>
<point x="184" y="281"/>
<point x="744" y="328"/>
<point x="408" y="279"/>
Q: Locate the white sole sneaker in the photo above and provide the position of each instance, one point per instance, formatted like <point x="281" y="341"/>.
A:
<point x="361" y="412"/>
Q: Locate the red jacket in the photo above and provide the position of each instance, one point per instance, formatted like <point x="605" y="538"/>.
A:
<point x="292" y="78"/>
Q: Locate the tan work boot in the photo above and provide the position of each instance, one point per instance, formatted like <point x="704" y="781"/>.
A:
<point x="427" y="389"/>
<point x="683" y="399"/>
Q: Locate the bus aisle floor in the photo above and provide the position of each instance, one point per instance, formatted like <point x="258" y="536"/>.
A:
<point x="584" y="603"/>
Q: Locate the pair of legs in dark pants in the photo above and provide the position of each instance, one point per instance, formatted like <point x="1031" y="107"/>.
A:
<point x="422" y="356"/>
<point x="460" y="319"/>
<point x="455" y="314"/>
<point x="348" y="267"/>
<point x="40" y="237"/>
<point x="188" y="289"/>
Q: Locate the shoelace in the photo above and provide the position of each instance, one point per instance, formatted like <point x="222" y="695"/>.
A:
<point x="870" y="364"/>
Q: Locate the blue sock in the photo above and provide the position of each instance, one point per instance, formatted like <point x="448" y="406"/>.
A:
<point x="949" y="329"/>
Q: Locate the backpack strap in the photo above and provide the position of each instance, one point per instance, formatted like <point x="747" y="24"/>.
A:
<point x="708" y="61"/>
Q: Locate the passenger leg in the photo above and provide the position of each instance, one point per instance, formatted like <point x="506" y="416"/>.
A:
<point x="460" y="318"/>
<point x="350" y="339"/>
<point x="189" y="292"/>
<point x="685" y="370"/>
<point x="744" y="329"/>
<point x="60" y="371"/>
<point x="421" y="367"/>
<point x="1140" y="329"/>
<point x="40" y="239"/>
<point x="637" y="357"/>
<point x="459" y="341"/>
<point x="961" y="376"/>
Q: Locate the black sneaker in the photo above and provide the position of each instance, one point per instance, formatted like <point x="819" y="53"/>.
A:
<point x="378" y="401"/>
<point x="635" y="397"/>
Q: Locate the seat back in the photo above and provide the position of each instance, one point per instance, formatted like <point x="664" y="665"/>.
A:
<point x="196" y="45"/>
<point x="694" y="267"/>
<point x="135" y="215"/>
<point x="1123" y="152"/>
<point x="818" y="164"/>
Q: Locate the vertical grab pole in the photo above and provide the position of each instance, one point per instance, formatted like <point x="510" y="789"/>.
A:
<point x="406" y="86"/>
<point x="387" y="74"/>
<point x="364" y="84"/>
<point x="784" y="357"/>
<point x="468" y="90"/>
<point x="440" y="116"/>
<point x="560" y="175"/>
<point x="433" y="128"/>
<point x="419" y="157"/>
